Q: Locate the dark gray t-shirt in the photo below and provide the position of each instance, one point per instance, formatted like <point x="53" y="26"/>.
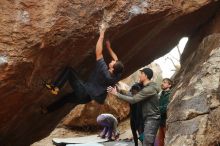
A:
<point x="99" y="80"/>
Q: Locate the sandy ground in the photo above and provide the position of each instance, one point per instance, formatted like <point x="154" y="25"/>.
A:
<point x="124" y="128"/>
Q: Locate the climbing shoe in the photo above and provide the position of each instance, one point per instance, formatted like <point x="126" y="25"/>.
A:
<point x="53" y="90"/>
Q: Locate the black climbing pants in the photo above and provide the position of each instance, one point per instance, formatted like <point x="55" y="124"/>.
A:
<point x="136" y="121"/>
<point x="78" y="95"/>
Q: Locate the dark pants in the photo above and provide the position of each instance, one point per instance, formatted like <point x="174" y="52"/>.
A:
<point x="108" y="129"/>
<point x="150" y="130"/>
<point x="134" y="131"/>
<point x="78" y="95"/>
<point x="136" y="121"/>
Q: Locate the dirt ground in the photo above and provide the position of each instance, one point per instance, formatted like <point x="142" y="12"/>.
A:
<point x="61" y="132"/>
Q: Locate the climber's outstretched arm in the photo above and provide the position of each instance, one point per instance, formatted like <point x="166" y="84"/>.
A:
<point x="99" y="45"/>
<point x="111" y="52"/>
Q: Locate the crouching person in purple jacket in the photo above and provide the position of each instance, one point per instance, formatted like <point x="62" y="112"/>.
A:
<point x="110" y="123"/>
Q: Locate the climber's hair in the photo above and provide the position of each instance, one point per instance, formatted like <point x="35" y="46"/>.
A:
<point x="118" y="67"/>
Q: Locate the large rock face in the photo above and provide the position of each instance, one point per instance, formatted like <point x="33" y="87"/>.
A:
<point x="39" y="38"/>
<point x="195" y="107"/>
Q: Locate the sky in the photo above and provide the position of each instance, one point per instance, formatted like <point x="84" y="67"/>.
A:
<point x="165" y="64"/>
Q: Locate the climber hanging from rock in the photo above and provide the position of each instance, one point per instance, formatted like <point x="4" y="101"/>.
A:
<point x="95" y="88"/>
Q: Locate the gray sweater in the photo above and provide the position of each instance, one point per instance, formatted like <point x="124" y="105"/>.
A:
<point x="149" y="98"/>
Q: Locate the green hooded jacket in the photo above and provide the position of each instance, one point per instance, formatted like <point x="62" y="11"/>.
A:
<point x="163" y="102"/>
